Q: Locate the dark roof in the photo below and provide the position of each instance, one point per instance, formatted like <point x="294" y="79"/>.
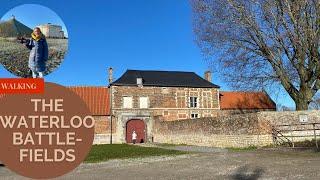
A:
<point x="14" y="28"/>
<point x="164" y="79"/>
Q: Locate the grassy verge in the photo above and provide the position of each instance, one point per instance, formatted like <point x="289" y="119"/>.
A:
<point x="106" y="152"/>
<point x="306" y="143"/>
<point x="297" y="144"/>
<point x="249" y="148"/>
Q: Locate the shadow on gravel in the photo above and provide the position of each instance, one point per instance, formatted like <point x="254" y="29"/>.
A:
<point x="243" y="173"/>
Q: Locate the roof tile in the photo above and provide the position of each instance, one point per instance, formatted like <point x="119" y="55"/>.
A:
<point x="96" y="98"/>
<point x="164" y="79"/>
<point x="245" y="100"/>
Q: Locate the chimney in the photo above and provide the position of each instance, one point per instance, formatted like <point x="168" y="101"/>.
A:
<point x="207" y="76"/>
<point x="139" y="81"/>
<point x="110" y="72"/>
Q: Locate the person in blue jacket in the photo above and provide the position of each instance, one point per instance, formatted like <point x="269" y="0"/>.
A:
<point x="38" y="54"/>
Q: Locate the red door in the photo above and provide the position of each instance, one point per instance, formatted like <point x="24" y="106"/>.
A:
<point x="138" y="126"/>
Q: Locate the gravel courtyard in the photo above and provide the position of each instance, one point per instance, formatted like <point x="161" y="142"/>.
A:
<point x="214" y="164"/>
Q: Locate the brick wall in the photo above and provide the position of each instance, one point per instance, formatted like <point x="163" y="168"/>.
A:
<point x="102" y="125"/>
<point x="171" y="103"/>
<point x="102" y="129"/>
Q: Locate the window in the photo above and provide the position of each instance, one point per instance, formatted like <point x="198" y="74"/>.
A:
<point x="143" y="102"/>
<point x="193" y="102"/>
<point x="127" y="102"/>
<point x="181" y="99"/>
<point x="206" y="99"/>
<point x="194" y="115"/>
<point x="182" y="116"/>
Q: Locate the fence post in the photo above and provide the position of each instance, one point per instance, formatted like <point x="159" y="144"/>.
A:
<point x="274" y="138"/>
<point x="315" y="135"/>
<point x="291" y="135"/>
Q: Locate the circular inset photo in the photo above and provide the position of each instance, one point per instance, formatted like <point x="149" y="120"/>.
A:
<point x="33" y="41"/>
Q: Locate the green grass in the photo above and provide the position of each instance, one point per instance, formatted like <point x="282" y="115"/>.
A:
<point x="106" y="152"/>
<point x="249" y="148"/>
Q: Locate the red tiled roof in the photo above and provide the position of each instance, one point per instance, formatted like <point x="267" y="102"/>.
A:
<point x="246" y="100"/>
<point x="96" y="98"/>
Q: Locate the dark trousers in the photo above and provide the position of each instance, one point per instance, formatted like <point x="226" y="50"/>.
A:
<point x="133" y="141"/>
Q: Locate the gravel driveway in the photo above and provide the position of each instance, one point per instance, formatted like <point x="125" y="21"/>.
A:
<point x="211" y="165"/>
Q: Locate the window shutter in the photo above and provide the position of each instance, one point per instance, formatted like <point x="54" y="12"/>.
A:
<point x="127" y="102"/>
<point x="143" y="102"/>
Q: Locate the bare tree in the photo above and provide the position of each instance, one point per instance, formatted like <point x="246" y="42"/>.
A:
<point x="315" y="103"/>
<point x="281" y="107"/>
<point x="263" y="43"/>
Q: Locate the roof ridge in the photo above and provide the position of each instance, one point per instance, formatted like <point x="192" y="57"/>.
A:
<point x="164" y="78"/>
<point x="161" y="71"/>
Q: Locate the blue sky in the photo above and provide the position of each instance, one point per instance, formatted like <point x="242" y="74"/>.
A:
<point x="123" y="34"/>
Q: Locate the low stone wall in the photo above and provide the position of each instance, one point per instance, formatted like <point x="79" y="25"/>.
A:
<point x="288" y="123"/>
<point x="228" y="112"/>
<point x="239" y="130"/>
<point x="216" y="140"/>
<point x="228" y="131"/>
<point x="289" y="117"/>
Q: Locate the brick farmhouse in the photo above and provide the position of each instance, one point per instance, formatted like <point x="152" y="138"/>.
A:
<point x="139" y="98"/>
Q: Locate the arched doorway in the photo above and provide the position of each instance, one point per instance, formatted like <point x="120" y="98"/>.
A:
<point x="138" y="126"/>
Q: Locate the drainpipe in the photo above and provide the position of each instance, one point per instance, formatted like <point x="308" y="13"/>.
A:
<point x="110" y="98"/>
